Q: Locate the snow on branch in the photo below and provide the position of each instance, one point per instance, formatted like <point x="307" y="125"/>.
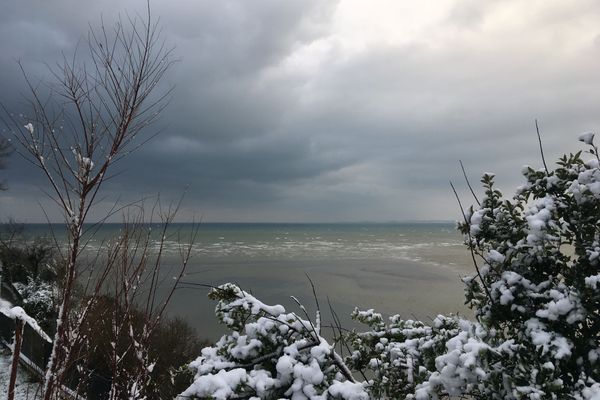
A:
<point x="270" y="353"/>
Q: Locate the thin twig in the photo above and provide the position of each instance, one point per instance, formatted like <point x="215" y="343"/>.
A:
<point x="537" y="129"/>
<point x="462" y="210"/>
<point x="468" y="183"/>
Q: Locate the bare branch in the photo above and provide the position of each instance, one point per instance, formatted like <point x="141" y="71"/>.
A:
<point x="537" y="129"/>
<point x="462" y="210"/>
<point x="468" y="183"/>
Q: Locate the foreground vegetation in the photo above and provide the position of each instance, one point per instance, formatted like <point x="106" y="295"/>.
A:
<point x="535" y="295"/>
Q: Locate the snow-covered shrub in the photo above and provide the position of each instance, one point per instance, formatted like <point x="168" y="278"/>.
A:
<point x="31" y="266"/>
<point x="409" y="359"/>
<point x="269" y="354"/>
<point x="39" y="300"/>
<point x="537" y="274"/>
<point x="535" y="295"/>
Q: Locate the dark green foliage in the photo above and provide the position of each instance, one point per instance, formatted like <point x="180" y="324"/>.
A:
<point x="23" y="259"/>
<point x="35" y="260"/>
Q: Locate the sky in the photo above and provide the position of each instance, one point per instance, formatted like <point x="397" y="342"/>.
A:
<point x="328" y="111"/>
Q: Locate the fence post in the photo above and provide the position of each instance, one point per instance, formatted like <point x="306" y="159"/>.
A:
<point x="19" y="325"/>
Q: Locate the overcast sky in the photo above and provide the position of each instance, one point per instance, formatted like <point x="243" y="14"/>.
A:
<point x="307" y="110"/>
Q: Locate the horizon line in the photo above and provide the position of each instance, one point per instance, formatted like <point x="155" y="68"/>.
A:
<point x="411" y="221"/>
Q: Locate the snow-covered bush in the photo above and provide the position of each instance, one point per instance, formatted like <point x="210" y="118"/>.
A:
<point x="31" y="266"/>
<point x="269" y="354"/>
<point x="535" y="295"/>
<point x="39" y="300"/>
<point x="537" y="284"/>
<point x="409" y="359"/>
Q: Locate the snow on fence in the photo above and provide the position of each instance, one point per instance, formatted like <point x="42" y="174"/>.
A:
<point x="35" y="350"/>
<point x="36" y="347"/>
<point x="9" y="293"/>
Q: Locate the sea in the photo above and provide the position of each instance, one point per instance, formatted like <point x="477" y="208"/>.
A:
<point x="410" y="269"/>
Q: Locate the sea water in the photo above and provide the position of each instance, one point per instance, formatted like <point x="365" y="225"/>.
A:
<point x="411" y="269"/>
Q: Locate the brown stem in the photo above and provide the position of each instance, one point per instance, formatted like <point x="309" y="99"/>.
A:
<point x="19" y="326"/>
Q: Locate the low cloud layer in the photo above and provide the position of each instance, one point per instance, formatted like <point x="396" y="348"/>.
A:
<point x="331" y="111"/>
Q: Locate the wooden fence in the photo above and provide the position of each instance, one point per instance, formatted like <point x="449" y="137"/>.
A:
<point x="36" y="351"/>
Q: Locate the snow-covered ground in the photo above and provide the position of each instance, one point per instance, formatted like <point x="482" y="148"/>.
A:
<point x="26" y="386"/>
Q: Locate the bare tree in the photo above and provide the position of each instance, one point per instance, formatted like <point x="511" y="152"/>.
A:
<point x="74" y="135"/>
<point x="127" y="289"/>
<point x="139" y="304"/>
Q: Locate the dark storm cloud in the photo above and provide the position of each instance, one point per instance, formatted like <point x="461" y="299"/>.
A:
<point x="220" y="130"/>
<point x="301" y="110"/>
